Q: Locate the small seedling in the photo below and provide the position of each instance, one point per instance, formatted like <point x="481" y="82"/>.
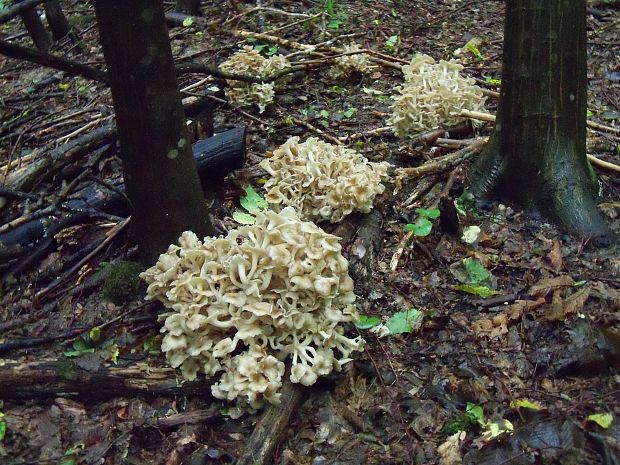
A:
<point x="391" y="42"/>
<point x="423" y="226"/>
<point x="252" y="202"/>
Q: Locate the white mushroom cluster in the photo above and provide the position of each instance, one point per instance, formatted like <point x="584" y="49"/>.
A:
<point x="346" y="65"/>
<point x="251" y="63"/>
<point x="244" y="303"/>
<point x="322" y="181"/>
<point x="433" y="95"/>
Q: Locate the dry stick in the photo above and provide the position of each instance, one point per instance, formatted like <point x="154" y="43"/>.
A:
<point x="51" y="61"/>
<point x="307" y="48"/>
<point x="591" y="124"/>
<point x="318" y="131"/>
<point x="286" y="26"/>
<point x="238" y="110"/>
<point x="111" y="236"/>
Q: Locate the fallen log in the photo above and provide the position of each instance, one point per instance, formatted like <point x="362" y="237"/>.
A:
<point x="214" y="157"/>
<point x="63" y="377"/>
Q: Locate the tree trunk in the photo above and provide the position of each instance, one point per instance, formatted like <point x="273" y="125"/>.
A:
<point x="536" y="157"/>
<point x="39" y="35"/>
<point x="188" y="7"/>
<point x="158" y="168"/>
<point x="56" y="19"/>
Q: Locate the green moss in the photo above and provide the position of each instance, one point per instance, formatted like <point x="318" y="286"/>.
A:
<point x="122" y="283"/>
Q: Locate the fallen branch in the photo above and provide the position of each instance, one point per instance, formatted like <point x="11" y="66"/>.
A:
<point x="51" y="61"/>
<point x="309" y="48"/>
<point x="489" y="117"/>
<point x="441" y="164"/>
<point x="63" y="377"/>
<point x="591" y="124"/>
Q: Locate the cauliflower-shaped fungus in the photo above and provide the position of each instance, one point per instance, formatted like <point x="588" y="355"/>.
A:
<point x="345" y="65"/>
<point x="251" y="63"/>
<point x="433" y="95"/>
<point x="244" y="303"/>
<point x="322" y="181"/>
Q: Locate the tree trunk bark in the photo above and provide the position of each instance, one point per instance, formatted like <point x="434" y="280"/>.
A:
<point x="188" y="7"/>
<point x="536" y="157"/>
<point x="39" y="35"/>
<point x="158" y="168"/>
<point x="56" y="19"/>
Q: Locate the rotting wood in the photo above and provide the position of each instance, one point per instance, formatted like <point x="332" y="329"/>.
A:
<point x="62" y="377"/>
<point x="365" y="247"/>
<point x="51" y="61"/>
<point x="271" y="426"/>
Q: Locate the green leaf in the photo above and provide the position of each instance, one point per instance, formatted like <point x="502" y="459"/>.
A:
<point x="524" y="403"/>
<point x="465" y="203"/>
<point x="2" y="426"/>
<point x="63" y="86"/>
<point x="243" y="218"/>
<point x="350" y="112"/>
<point x="421" y="228"/>
<point x="324" y="113"/>
<point x="405" y="322"/>
<point x="80" y="344"/>
<point x="481" y="291"/>
<point x="391" y="42"/>
<point x="67" y="461"/>
<point x="252" y="201"/>
<point x="496" y="82"/>
<point x="370" y="91"/>
<point x="604" y="420"/>
<point x="367" y="321"/>
<point x="589" y="113"/>
<point x="477" y="272"/>
<point x="432" y="213"/>
<point x="187" y="22"/>
<point x="95" y="333"/>
<point x="475" y="412"/>
<point x="471" y="48"/>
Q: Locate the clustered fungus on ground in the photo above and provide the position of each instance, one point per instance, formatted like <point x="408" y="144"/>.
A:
<point x="432" y="96"/>
<point x="344" y="66"/>
<point x="322" y="181"/>
<point x="243" y="304"/>
<point x="249" y="62"/>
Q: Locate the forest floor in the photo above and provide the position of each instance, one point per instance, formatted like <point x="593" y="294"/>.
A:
<point x="520" y="372"/>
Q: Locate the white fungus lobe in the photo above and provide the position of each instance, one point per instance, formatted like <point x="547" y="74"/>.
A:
<point x="251" y="63"/>
<point x="243" y="304"/>
<point x="322" y="181"/>
<point x="432" y="96"/>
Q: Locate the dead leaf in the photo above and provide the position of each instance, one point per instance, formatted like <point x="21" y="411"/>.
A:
<point x="450" y="451"/>
<point x="555" y="256"/>
<point x="519" y="307"/>
<point x="547" y="285"/>
<point x="573" y="304"/>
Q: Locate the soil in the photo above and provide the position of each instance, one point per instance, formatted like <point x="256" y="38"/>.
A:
<point x="520" y="372"/>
